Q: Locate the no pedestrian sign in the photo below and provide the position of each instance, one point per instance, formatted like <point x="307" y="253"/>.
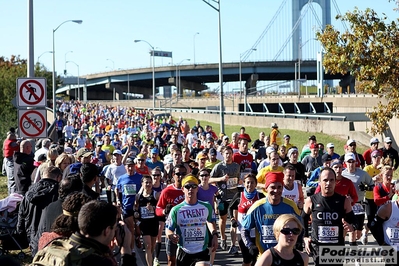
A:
<point x="31" y="92"/>
<point x="32" y="123"/>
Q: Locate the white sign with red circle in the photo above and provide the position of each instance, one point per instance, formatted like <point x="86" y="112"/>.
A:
<point x="31" y="92"/>
<point x="32" y="123"/>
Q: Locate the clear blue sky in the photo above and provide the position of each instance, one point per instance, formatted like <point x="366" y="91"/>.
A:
<point x="109" y="29"/>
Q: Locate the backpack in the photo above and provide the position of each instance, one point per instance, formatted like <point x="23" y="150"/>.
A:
<point x="60" y="252"/>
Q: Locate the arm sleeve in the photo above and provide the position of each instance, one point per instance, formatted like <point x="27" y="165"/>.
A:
<point x="353" y="193"/>
<point x="378" y="199"/>
<point x="377" y="229"/>
<point x="234" y="204"/>
<point x="161" y="204"/>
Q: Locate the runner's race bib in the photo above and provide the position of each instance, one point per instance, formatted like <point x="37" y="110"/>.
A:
<point x="232" y="183"/>
<point x="393" y="235"/>
<point x="129" y="189"/>
<point x="328" y="234"/>
<point x="194" y="234"/>
<point x="268" y="235"/>
<point x="358" y="209"/>
<point x="146" y="213"/>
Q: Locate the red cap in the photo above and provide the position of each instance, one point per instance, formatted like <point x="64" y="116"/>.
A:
<point x="273" y="177"/>
<point x="245" y="136"/>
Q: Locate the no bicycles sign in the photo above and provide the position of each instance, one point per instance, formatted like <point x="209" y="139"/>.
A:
<point x="32" y="123"/>
<point x="31" y="92"/>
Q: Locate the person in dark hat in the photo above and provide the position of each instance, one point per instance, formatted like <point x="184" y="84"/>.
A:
<point x="313" y="180"/>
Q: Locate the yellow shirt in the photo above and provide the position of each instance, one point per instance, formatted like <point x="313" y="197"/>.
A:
<point x="261" y="177"/>
<point x="372" y="171"/>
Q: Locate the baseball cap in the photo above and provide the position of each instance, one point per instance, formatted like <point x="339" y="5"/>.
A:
<point x="155" y="150"/>
<point x="375" y="153"/>
<point x="314" y="146"/>
<point x="270" y="150"/>
<point x="374" y="140"/>
<point x="225" y="137"/>
<point x="129" y="161"/>
<point x="274" y="125"/>
<point x="68" y="150"/>
<point x="83" y="152"/>
<point x="330" y="145"/>
<point x="349" y="156"/>
<point x="210" y="139"/>
<point x="350" y="141"/>
<point x="287" y="136"/>
<point x="100" y="143"/>
<point x="202" y="155"/>
<point x="388" y="139"/>
<point x="326" y="158"/>
<point x="244" y="136"/>
<point x="117" y="152"/>
<point x="212" y="151"/>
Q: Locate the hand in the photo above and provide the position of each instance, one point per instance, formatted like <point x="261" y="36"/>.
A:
<point x="348" y="227"/>
<point x="307" y="241"/>
<point x="123" y="238"/>
<point x="167" y="209"/>
<point x="225" y="178"/>
<point x="174" y="238"/>
<point x="215" y="243"/>
<point x="300" y="205"/>
<point x="362" y="186"/>
<point x="234" y="223"/>
<point x="253" y="250"/>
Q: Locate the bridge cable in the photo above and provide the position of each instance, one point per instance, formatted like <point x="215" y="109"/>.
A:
<point x="339" y="12"/>
<point x="297" y="24"/>
<point x="249" y="52"/>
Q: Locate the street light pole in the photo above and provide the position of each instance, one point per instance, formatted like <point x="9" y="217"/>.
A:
<point x="113" y="63"/>
<point x="194" y="44"/>
<point x="53" y="76"/>
<point x="179" y="77"/>
<point x="78" y="78"/>
<point x="244" y="91"/>
<point x="220" y="61"/>
<point x="38" y="58"/>
<point x="65" y="70"/>
<point x="153" y="70"/>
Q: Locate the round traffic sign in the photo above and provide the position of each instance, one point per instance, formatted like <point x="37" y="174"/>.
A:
<point x="34" y="92"/>
<point x="32" y="123"/>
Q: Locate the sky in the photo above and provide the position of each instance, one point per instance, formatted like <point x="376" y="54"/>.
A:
<point x="105" y="39"/>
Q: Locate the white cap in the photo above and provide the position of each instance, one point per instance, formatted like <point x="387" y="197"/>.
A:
<point x="274" y="125"/>
<point x="349" y="156"/>
<point x="388" y="139"/>
<point x="374" y="140"/>
<point x="350" y="141"/>
<point x="330" y="145"/>
<point x="270" y="150"/>
<point x="117" y="152"/>
<point x="68" y="150"/>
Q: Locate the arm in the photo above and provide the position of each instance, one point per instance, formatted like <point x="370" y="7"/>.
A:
<point x="376" y="225"/>
<point x="301" y="197"/>
<point x="214" y="235"/>
<point x="378" y="199"/>
<point x="307" y="210"/>
<point x="353" y="193"/>
<point x="265" y="260"/>
<point x="314" y="178"/>
<point x="234" y="205"/>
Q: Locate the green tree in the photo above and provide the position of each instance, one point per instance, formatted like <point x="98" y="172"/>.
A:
<point x="10" y="70"/>
<point x="369" y="51"/>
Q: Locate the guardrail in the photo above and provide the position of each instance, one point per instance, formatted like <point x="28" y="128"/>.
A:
<point x="263" y="114"/>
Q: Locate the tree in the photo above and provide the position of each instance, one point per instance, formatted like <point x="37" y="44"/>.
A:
<point x="10" y="70"/>
<point x="368" y="51"/>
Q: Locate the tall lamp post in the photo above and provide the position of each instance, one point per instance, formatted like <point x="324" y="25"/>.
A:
<point x="194" y="44"/>
<point x="178" y="76"/>
<point x="153" y="71"/>
<point x="220" y="61"/>
<point x="78" y="78"/>
<point x="113" y="63"/>
<point x="128" y="82"/>
<point x="241" y="89"/>
<point x="65" y="57"/>
<point x="54" y="85"/>
<point x="38" y="58"/>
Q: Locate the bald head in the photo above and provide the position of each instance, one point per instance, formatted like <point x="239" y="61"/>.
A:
<point x="25" y="147"/>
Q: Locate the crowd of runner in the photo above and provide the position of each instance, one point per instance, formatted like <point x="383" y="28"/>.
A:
<point x="162" y="175"/>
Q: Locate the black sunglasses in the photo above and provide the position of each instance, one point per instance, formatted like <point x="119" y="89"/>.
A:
<point x="204" y="175"/>
<point x="156" y="175"/>
<point x="288" y="231"/>
<point x="188" y="186"/>
<point x="140" y="160"/>
<point x="180" y="174"/>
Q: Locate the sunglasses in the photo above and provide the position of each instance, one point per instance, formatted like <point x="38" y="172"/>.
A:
<point x="352" y="145"/>
<point x="156" y="175"/>
<point x="180" y="174"/>
<point x="190" y="186"/>
<point x="140" y="160"/>
<point x="289" y="231"/>
<point x="204" y="175"/>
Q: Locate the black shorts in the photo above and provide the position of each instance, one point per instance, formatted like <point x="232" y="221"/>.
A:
<point x="371" y="210"/>
<point x="149" y="227"/>
<point x="186" y="259"/>
<point x="225" y="205"/>
<point x="359" y="222"/>
<point x="127" y="213"/>
<point x="246" y="257"/>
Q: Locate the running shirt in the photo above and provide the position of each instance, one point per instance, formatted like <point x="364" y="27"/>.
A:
<point x="207" y="195"/>
<point x="279" y="261"/>
<point x="227" y="189"/>
<point x="262" y="216"/>
<point x="244" y="161"/>
<point x="190" y="223"/>
<point x="243" y="207"/>
<point x="146" y="214"/>
<point x="169" y="195"/>
<point x="294" y="194"/>
<point x="129" y="186"/>
<point x="391" y="227"/>
<point x="327" y="214"/>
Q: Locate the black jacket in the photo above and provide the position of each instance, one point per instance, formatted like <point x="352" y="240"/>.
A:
<point x="90" y="192"/>
<point x="102" y="255"/>
<point x="23" y="168"/>
<point x="36" y="199"/>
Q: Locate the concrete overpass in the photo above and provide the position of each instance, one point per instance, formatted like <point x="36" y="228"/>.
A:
<point x="102" y="86"/>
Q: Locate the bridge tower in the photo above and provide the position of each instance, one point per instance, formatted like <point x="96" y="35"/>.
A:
<point x="297" y="6"/>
